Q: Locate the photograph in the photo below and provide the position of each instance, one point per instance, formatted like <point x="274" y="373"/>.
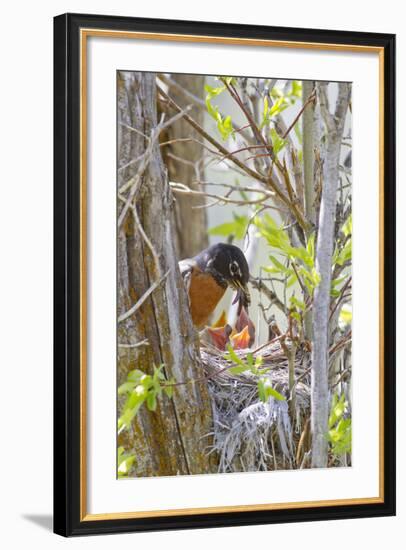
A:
<point x="234" y="274"/>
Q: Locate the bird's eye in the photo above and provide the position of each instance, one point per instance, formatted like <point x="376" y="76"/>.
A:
<point x="234" y="268"/>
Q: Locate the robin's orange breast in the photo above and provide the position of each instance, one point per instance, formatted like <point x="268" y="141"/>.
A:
<point x="204" y="295"/>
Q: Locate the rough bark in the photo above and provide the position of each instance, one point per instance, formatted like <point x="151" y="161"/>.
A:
<point x="170" y="440"/>
<point x="334" y="125"/>
<point x="190" y="223"/>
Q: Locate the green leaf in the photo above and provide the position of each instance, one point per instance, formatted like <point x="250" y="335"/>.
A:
<point x="339" y="280"/>
<point x="275" y="236"/>
<point x="250" y="359"/>
<point x="347" y="227"/>
<point x="340" y="429"/>
<point x="277" y="142"/>
<point x="213" y="111"/>
<point x="315" y="276"/>
<point x="233" y="357"/>
<point x="278" y="264"/>
<point x="278" y="106"/>
<point x="273" y="270"/>
<point x="230" y="80"/>
<point x="169" y="391"/>
<point x="291" y="281"/>
<point x="151" y="400"/>
<point x="225" y="127"/>
<point x="238" y="227"/>
<point x="265" y="108"/>
<point x="212" y="91"/>
<point x="265" y="390"/>
<point x="239" y="369"/>
<point x="125" y="461"/>
<point x="310" y="245"/>
<point x="302" y="254"/>
<point x="298" y="303"/>
<point x="337" y="410"/>
<point x="158" y="378"/>
<point x="345" y="254"/>
<point x="136" y="396"/>
<point x="126" y="418"/>
<point x="296" y="316"/>
<point x="146" y="382"/>
<point x="135" y="375"/>
<point x="346" y="314"/>
<point x="261" y="391"/>
<point x="126" y="388"/>
<point x="296" y="90"/>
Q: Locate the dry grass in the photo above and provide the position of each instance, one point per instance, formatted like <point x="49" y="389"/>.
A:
<point x="250" y="435"/>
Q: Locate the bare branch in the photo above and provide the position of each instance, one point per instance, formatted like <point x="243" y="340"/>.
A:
<point x="136" y="345"/>
<point x="139" y="302"/>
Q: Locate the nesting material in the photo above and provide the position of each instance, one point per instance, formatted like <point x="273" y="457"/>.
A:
<point x="250" y="435"/>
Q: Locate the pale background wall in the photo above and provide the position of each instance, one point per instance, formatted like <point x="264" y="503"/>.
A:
<point x="26" y="274"/>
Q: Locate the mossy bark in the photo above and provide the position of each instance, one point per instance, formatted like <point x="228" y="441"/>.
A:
<point x="170" y="440"/>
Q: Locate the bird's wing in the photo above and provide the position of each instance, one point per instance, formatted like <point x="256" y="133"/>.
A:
<point x="186" y="268"/>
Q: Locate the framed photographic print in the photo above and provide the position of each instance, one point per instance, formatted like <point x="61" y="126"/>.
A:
<point x="224" y="274"/>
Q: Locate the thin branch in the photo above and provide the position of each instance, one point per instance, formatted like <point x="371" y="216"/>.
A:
<point x="139" y="303"/>
<point x="135" y="182"/>
<point x="213" y="141"/>
<point x="146" y="238"/>
<point x="269" y="182"/>
<point x="188" y="95"/>
<point x="183" y="189"/>
<point x="177" y="140"/>
<point x="133" y="130"/>
<point x="136" y="345"/>
<point x="310" y="99"/>
<point x="341" y="297"/>
<point x="272" y="297"/>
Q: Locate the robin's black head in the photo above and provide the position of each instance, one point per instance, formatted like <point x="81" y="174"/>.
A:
<point x="227" y="264"/>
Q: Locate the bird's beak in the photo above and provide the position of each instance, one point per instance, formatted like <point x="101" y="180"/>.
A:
<point x="243" y="296"/>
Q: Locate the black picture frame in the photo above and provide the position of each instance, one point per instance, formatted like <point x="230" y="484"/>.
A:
<point x="67" y="426"/>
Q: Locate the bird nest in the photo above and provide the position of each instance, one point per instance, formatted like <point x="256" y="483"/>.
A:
<point x="249" y="434"/>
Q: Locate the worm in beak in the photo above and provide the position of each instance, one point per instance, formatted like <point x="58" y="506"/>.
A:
<point x="242" y="297"/>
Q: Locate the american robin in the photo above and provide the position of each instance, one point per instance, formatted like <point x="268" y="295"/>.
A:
<point x="207" y="277"/>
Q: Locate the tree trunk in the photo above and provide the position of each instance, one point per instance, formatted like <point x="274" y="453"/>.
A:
<point x="185" y="166"/>
<point x="334" y="124"/>
<point x="308" y="153"/>
<point x="170" y="440"/>
<point x="308" y="171"/>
